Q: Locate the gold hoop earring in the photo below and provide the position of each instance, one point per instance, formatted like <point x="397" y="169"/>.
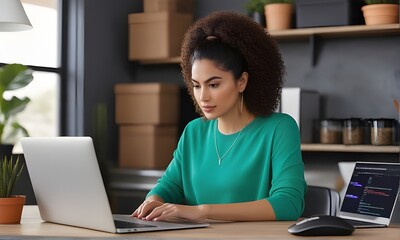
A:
<point x="241" y="105"/>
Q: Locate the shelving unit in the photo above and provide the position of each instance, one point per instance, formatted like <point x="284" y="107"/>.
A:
<point x="312" y="34"/>
<point x="349" y="148"/>
<point x="340" y="31"/>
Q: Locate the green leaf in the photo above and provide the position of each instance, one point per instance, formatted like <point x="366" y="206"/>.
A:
<point x="13" y="106"/>
<point x="3" y="178"/>
<point x="10" y="172"/>
<point x="255" y="6"/>
<point x="14" y="76"/>
<point x="14" y="174"/>
<point x="16" y="129"/>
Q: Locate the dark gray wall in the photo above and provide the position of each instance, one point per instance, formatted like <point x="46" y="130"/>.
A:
<point x="105" y="60"/>
<point x="358" y="77"/>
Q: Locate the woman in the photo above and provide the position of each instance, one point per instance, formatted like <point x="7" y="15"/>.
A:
<point x="240" y="161"/>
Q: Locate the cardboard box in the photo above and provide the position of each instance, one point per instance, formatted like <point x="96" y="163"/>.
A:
<point x="173" y="6"/>
<point x="146" y="146"/>
<point x="156" y="35"/>
<point x="147" y="103"/>
<point x="304" y="107"/>
<point x="317" y="13"/>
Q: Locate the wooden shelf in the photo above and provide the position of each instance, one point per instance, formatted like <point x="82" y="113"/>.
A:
<point x="349" y="148"/>
<point x="305" y="33"/>
<point x="340" y="31"/>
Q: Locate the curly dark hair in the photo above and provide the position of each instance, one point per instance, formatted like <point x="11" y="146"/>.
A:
<point x="263" y="60"/>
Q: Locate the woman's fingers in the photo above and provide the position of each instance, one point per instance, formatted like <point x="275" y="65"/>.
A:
<point x="145" y="208"/>
<point x="163" y="212"/>
<point x="158" y="211"/>
<point x="137" y="211"/>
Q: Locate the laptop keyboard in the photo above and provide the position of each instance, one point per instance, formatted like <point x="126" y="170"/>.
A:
<point x="124" y="224"/>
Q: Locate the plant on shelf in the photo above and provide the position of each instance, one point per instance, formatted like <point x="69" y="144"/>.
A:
<point x="255" y="6"/>
<point x="278" y="14"/>
<point x="12" y="77"/>
<point x="255" y="9"/>
<point x="258" y="5"/>
<point x="377" y="12"/>
<point x="10" y="205"/>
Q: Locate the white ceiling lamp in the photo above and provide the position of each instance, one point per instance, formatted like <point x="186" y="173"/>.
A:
<point x="13" y="16"/>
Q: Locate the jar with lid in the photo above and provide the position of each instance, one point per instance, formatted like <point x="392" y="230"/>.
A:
<point x="353" y="131"/>
<point x="382" y="131"/>
<point x="331" y="131"/>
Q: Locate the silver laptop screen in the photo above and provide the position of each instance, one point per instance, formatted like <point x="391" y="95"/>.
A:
<point x="372" y="189"/>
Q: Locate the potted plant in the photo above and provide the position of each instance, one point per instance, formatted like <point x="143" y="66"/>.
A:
<point x="378" y="12"/>
<point x="255" y="9"/>
<point x="10" y="205"/>
<point x="278" y="14"/>
<point x="12" y="77"/>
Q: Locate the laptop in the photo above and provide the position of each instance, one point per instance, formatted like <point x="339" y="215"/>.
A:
<point x="69" y="189"/>
<point x="372" y="195"/>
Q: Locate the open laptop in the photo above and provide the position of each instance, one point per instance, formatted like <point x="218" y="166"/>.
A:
<point x="69" y="189"/>
<point x="372" y="195"/>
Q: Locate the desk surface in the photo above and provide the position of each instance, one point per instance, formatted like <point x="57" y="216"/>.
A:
<point x="32" y="226"/>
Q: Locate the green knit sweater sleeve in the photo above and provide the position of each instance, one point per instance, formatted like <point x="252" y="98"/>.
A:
<point x="287" y="185"/>
<point x="169" y="186"/>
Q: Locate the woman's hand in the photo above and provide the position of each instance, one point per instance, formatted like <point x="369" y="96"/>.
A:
<point x="154" y="208"/>
<point x="168" y="211"/>
<point x="146" y="208"/>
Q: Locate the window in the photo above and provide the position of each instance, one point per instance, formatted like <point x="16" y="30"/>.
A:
<point x="40" y="49"/>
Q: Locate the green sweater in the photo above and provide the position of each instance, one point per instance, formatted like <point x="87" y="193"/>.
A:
<point x="264" y="163"/>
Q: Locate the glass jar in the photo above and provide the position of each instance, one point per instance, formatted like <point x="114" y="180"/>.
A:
<point x="331" y="131"/>
<point x="382" y="131"/>
<point x="353" y="131"/>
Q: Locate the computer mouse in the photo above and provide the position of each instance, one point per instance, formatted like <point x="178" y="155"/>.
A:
<point x="322" y="225"/>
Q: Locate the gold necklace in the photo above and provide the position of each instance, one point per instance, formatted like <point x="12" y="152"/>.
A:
<point x="216" y="145"/>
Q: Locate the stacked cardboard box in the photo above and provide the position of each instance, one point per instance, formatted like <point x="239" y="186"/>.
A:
<point x="148" y="116"/>
<point x="158" y="32"/>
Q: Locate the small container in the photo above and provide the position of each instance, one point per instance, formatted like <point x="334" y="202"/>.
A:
<point x="353" y="131"/>
<point x="382" y="131"/>
<point x="331" y="131"/>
